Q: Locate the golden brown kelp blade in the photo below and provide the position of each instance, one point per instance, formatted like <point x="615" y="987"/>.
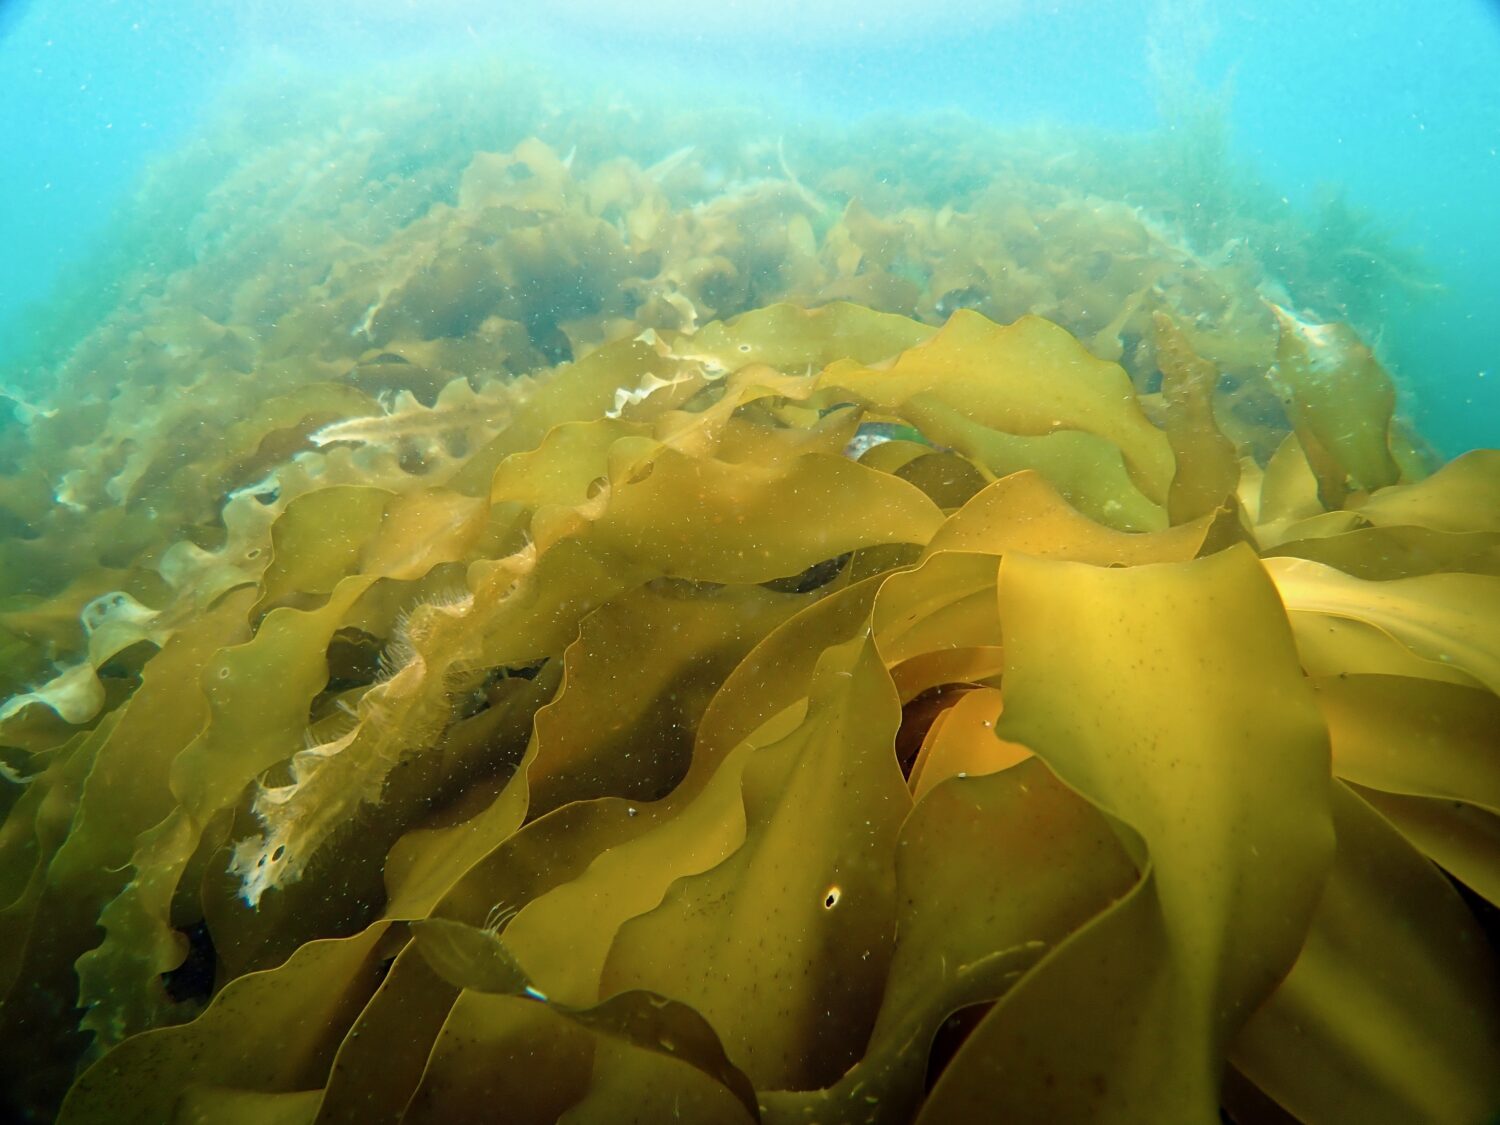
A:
<point x="476" y="960"/>
<point x="1142" y="689"/>
<point x="836" y="719"/>
<point x="1340" y="402"/>
<point x="1392" y="1011"/>
<point x="1207" y="464"/>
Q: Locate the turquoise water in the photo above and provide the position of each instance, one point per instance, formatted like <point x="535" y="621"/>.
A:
<point x="1395" y="104"/>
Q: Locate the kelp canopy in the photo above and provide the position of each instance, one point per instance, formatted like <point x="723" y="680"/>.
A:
<point x="531" y="632"/>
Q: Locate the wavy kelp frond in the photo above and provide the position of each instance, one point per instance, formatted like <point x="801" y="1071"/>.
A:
<point x="112" y="623"/>
<point x="829" y="938"/>
<point x="1443" y="619"/>
<point x="1330" y="379"/>
<point x="320" y="989"/>
<point x="405" y="711"/>
<point x="802" y="781"/>
<point x="1418" y="738"/>
<point x="737" y="628"/>
<point x="1388" y="930"/>
<point x="1462" y="496"/>
<point x="474" y="959"/>
<point x="1207" y="468"/>
<point x="1227" y="946"/>
<point x="1036" y="381"/>
<point x="490" y="254"/>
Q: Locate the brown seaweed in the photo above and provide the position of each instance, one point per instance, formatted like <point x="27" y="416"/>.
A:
<point x="643" y="691"/>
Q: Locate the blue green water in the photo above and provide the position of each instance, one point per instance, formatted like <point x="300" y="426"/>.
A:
<point x="1397" y="104"/>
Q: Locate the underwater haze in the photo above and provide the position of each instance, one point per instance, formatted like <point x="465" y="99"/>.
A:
<point x="1380" y="115"/>
<point x="751" y="562"/>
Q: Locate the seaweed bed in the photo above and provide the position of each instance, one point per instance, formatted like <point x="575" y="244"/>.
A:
<point x="550" y="630"/>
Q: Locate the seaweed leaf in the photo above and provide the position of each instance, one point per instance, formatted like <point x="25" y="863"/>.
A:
<point x="472" y="959"/>
<point x="1139" y="687"/>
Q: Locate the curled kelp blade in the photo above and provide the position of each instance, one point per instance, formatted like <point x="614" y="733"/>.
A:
<point x="828" y="937"/>
<point x="641" y="673"/>
<point x="1340" y="402"/>
<point x="1025" y="513"/>
<point x="473" y="959"/>
<point x="961" y="743"/>
<point x="792" y="338"/>
<point x="269" y="1033"/>
<point x="1207" y="463"/>
<point x="488" y="887"/>
<point x="367" y="1081"/>
<point x="1461" y="838"/>
<point x="1391" y="1012"/>
<point x="1462" y="496"/>
<point x="1380" y="553"/>
<point x="1137" y="686"/>
<point x="564" y="931"/>
<point x="33" y="969"/>
<point x="1444" y="619"/>
<point x="1421" y="738"/>
<point x="978" y="910"/>
<point x="1024" y="397"/>
<point x="1424" y="754"/>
